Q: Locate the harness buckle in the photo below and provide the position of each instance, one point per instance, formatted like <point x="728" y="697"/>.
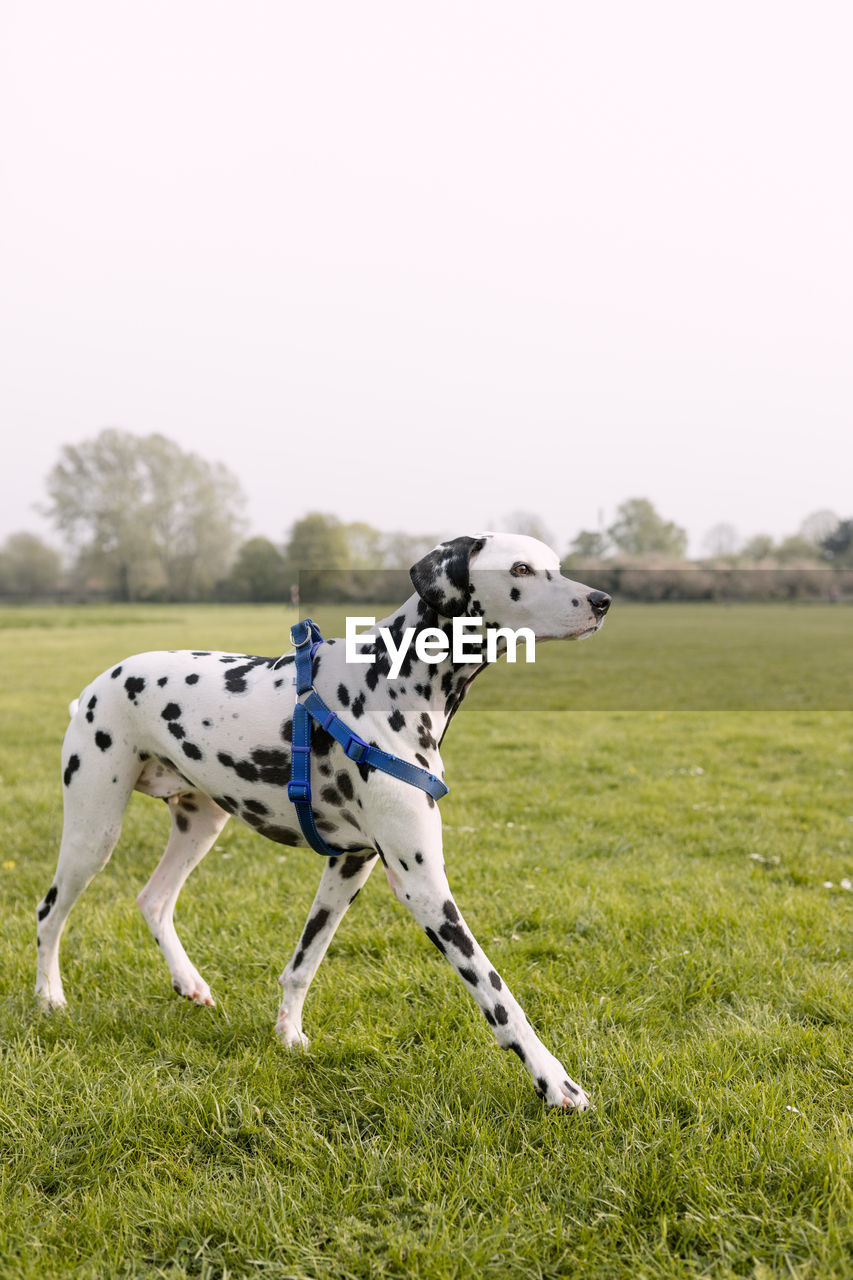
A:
<point x="356" y="748"/>
<point x="306" y="633"/>
<point x="299" y="792"/>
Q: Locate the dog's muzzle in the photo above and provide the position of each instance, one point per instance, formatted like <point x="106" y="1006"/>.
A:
<point x="599" y="602"/>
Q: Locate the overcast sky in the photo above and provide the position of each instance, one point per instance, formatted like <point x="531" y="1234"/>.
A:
<point x="429" y="264"/>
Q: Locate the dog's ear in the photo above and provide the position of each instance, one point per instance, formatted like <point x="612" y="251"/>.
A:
<point x="441" y="577"/>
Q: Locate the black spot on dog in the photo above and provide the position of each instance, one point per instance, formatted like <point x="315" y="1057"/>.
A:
<point x="228" y="803"/>
<point x="91" y="708"/>
<point x="331" y="796"/>
<point x="348" y="817"/>
<point x="191" y="750"/>
<point x="489" y="1018"/>
<point x="185" y="802"/>
<point x="422" y="759"/>
<point x="177" y="730"/>
<point x="201" y="653"/>
<point x="255" y="806"/>
<point x="103" y="740"/>
<point x="163" y="681"/>
<point x="435" y="940"/>
<point x="345" y="786"/>
<point x="396" y="720"/>
<point x="517" y="1049"/>
<point x="358" y="706"/>
<point x="469" y="976"/>
<point x="297" y="960"/>
<point x="287" y="730"/>
<point x="548" y="574"/>
<point x="456" y="934"/>
<point x="70" y="769"/>
<point x="321" y="742"/>
<point x="352" y="865"/>
<point x="313" y="927"/>
<point x="143" y="756"/>
<point x="208" y="724"/>
<point x="450" y="910"/>
<point x="235" y="677"/>
<point x="515" y="594"/>
<point x="133" y="686"/>
<point x="49" y="899"/>
<point x="419" y="857"/>
<point x="114" y="675"/>
<point x="501" y="1015"/>
<point x="541" y="1086"/>
<point x="495" y="980"/>
<point x="182" y="822"/>
<point x="378" y="849"/>
<point x="403" y="864"/>
<point x="281" y="835"/>
<point x="171" y="711"/>
<point x="570" y="1088"/>
<point x="193" y="679"/>
<point x="343" y="695"/>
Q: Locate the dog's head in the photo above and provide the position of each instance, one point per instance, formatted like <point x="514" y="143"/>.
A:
<point x="512" y="581"/>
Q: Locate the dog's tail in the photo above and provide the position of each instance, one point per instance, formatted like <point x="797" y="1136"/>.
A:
<point x="72" y="707"/>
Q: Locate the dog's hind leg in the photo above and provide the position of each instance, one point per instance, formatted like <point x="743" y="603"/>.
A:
<point x="196" y="822"/>
<point x="341" y="880"/>
<point x="95" y="796"/>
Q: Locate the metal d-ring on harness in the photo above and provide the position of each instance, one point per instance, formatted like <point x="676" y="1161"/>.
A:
<point x="307" y="639"/>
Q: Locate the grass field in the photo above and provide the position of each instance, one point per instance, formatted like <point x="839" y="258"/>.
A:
<point x="662" y="889"/>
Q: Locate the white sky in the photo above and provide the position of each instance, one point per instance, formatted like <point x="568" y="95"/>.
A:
<point x="428" y="264"/>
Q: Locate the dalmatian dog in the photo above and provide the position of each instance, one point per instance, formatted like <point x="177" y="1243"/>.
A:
<point x="210" y="734"/>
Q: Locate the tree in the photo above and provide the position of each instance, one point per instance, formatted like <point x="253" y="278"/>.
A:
<point x="528" y="523"/>
<point x="315" y="544"/>
<point x="29" y="567"/>
<point x="796" y="547"/>
<point x="838" y="546"/>
<point x="258" y="572"/>
<point x="819" y="525"/>
<point x="759" y="547"/>
<point x="588" y="544"/>
<point x="638" y="530"/>
<point x="146" y="515"/>
<point x="721" y="540"/>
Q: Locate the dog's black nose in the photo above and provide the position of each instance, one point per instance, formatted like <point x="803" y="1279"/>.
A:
<point x="599" y="602"/>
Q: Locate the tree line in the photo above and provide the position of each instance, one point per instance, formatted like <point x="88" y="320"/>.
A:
<point x="141" y="519"/>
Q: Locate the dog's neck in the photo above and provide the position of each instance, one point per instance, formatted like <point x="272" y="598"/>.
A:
<point x="440" y="686"/>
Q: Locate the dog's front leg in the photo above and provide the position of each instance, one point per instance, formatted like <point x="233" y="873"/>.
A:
<point x="341" y="880"/>
<point x="415" y="870"/>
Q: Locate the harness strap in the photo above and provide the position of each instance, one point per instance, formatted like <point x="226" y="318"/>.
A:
<point x="307" y="639"/>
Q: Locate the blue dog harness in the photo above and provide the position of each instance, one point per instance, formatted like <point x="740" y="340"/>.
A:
<point x="307" y="639"/>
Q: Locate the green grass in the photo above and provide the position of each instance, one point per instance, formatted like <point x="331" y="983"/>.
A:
<point x="649" y="882"/>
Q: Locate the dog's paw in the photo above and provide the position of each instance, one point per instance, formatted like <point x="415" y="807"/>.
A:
<point x="288" y="1033"/>
<point x="557" y="1089"/>
<point x="194" y="988"/>
<point x="50" y="999"/>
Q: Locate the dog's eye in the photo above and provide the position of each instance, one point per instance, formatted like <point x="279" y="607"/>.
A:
<point x="520" y="569"/>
